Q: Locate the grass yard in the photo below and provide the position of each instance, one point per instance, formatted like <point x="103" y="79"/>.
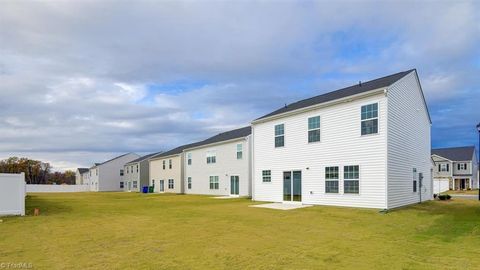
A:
<point x="462" y="192"/>
<point x="136" y="231"/>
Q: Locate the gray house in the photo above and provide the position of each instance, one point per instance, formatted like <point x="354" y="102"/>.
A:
<point x="457" y="166"/>
<point x="136" y="173"/>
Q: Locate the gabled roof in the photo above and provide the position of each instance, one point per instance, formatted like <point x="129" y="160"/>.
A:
<point x="225" y="136"/>
<point x="464" y="153"/>
<point x="174" y="151"/>
<point x="98" y="164"/>
<point x="83" y="170"/>
<point x="140" y="159"/>
<point x="341" y="93"/>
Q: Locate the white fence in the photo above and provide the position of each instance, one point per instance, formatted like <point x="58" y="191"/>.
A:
<point x="57" y="188"/>
<point x="440" y="185"/>
<point x="12" y="194"/>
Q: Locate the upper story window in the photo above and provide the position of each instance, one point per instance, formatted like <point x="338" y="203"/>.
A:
<point x="131" y="168"/>
<point x="127" y="169"/>
<point x="96" y="171"/>
<point x="239" y="151"/>
<point x="164" y="166"/>
<point x="121" y="172"/>
<point x="211" y="157"/>
<point x="137" y="167"/>
<point x="279" y="135"/>
<point x="462" y="166"/>
<point x="444" y="167"/>
<point x="351" y="179"/>
<point x="267" y="176"/>
<point x="314" y="129"/>
<point x="370" y="119"/>
<point x="331" y="179"/>
<point x="189" y="158"/>
<point x="169" y="163"/>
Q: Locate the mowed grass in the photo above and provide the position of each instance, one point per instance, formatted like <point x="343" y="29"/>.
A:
<point x="157" y="231"/>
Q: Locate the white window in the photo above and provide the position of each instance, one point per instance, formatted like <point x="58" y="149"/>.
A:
<point x="267" y="176"/>
<point x="211" y="157"/>
<point x="96" y="171"/>
<point x="351" y="178"/>
<point x="164" y="162"/>
<point x="443" y="167"/>
<point x="121" y="185"/>
<point x="127" y="169"/>
<point x="169" y="163"/>
<point x="370" y="119"/>
<point x="189" y="182"/>
<point x="415" y="180"/>
<point x="462" y="166"/>
<point x="189" y="158"/>
<point x="239" y="151"/>
<point x="171" y="184"/>
<point x="214" y="182"/>
<point x="137" y="168"/>
<point x="121" y="172"/>
<point x="314" y="129"/>
<point x="279" y="135"/>
<point x="331" y="179"/>
<point x="135" y="184"/>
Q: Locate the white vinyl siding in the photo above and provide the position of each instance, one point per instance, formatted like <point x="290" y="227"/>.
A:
<point x="408" y="143"/>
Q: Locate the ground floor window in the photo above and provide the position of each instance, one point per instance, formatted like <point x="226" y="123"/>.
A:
<point x="170" y="184"/>
<point x="351" y="179"/>
<point x="189" y="182"/>
<point x="135" y="184"/>
<point x="331" y="179"/>
<point x="214" y="182"/>
<point x="121" y="185"/>
<point x="267" y="176"/>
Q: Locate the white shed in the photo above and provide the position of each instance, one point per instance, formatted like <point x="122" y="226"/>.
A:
<point x="12" y="194"/>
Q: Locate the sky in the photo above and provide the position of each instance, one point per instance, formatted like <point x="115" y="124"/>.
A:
<point x="84" y="81"/>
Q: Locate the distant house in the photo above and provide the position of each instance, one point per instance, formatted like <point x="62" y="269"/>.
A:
<point x="457" y="166"/>
<point x="137" y="173"/>
<point x="219" y="165"/>
<point x="109" y="175"/>
<point x="366" y="145"/>
<point x="166" y="170"/>
<point x="82" y="176"/>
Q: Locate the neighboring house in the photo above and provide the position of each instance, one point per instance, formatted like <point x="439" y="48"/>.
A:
<point x="367" y="145"/>
<point x="166" y="170"/>
<point x="82" y="176"/>
<point x="220" y="165"/>
<point x="109" y="175"/>
<point x="457" y="165"/>
<point x="136" y="173"/>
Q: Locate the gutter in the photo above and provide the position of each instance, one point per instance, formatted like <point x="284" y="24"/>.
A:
<point x="215" y="143"/>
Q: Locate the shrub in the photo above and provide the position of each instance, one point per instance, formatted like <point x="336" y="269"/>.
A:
<point x="444" y="197"/>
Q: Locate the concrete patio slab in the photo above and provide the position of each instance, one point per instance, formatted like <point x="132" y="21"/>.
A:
<point x="281" y="206"/>
<point x="226" y="197"/>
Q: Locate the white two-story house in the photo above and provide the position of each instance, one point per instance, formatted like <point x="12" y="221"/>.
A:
<point x="219" y="165"/>
<point x="455" y="168"/>
<point x="136" y="173"/>
<point x="367" y="145"/>
<point x="109" y="175"/>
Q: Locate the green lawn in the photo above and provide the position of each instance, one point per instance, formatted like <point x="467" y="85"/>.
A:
<point x="136" y="231"/>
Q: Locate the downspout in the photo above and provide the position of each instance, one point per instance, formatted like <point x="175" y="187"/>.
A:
<point x="386" y="150"/>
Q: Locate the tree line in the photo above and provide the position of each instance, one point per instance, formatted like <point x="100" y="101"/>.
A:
<point x="36" y="171"/>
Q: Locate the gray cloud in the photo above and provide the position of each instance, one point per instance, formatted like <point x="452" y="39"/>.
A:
<point x="76" y="76"/>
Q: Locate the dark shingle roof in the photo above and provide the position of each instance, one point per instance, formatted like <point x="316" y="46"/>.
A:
<point x="341" y="93"/>
<point x="225" y="136"/>
<point x="174" y="151"/>
<point x="143" y="158"/>
<point x="83" y="170"/>
<point x="455" y="153"/>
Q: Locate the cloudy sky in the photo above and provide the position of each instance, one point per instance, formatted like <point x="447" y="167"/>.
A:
<point x="83" y="81"/>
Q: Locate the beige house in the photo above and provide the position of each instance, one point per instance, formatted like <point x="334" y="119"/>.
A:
<point x="166" y="170"/>
<point x="456" y="166"/>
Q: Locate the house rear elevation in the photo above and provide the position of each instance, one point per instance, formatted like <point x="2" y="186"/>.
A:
<point x="457" y="165"/>
<point x="367" y="145"/>
<point x="219" y="165"/>
<point x="136" y="173"/>
<point x="108" y="176"/>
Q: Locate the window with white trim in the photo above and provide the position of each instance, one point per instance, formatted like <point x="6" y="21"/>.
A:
<point x="415" y="180"/>
<point x="280" y="135"/>
<point x="239" y="151"/>
<point x="189" y="158"/>
<point x="135" y="184"/>
<point x="164" y="164"/>
<point x="370" y="119"/>
<point x="214" y="182"/>
<point x="267" y="176"/>
<point x="314" y="129"/>
<point x="189" y="182"/>
<point x="171" y="184"/>
<point x="351" y="179"/>
<point x="169" y="163"/>
<point x="211" y="157"/>
<point x="137" y="168"/>
<point x="462" y="166"/>
<point x="444" y="167"/>
<point x="121" y="172"/>
<point x="121" y="185"/>
<point x="331" y="179"/>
